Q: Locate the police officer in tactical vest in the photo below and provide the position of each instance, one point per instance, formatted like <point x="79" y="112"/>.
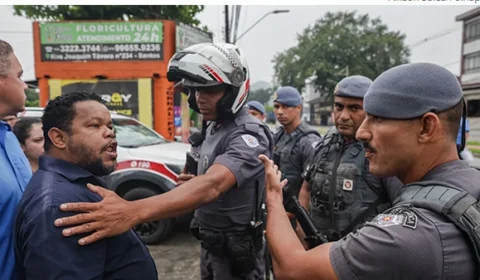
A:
<point x="338" y="191"/>
<point x="227" y="191"/>
<point x="432" y="230"/>
<point x="294" y="140"/>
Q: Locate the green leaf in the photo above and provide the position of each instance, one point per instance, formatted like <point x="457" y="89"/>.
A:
<point x="182" y="13"/>
<point x="334" y="42"/>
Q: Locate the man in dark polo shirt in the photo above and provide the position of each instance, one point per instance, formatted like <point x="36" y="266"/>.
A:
<point x="80" y="146"/>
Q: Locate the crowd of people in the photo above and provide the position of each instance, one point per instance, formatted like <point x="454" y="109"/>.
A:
<point x="384" y="188"/>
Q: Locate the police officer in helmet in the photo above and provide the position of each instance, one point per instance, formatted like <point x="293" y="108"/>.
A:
<point x="227" y="191"/>
<point x="431" y="232"/>
<point x="338" y="190"/>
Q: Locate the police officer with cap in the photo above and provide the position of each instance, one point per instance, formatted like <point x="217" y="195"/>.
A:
<point x="295" y="140"/>
<point x="338" y="190"/>
<point x="227" y="191"/>
<point x="431" y="232"/>
<point x="257" y="110"/>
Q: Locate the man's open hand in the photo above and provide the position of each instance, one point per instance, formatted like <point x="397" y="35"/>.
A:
<point x="109" y="217"/>
<point x="272" y="176"/>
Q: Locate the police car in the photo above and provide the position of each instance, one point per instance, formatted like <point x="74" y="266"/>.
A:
<point x="147" y="165"/>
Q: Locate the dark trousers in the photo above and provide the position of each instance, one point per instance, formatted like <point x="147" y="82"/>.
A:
<point x="214" y="267"/>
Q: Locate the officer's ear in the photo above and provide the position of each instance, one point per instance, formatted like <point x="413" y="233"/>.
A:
<point x="430" y="126"/>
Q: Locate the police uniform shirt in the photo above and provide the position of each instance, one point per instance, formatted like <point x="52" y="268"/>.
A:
<point x="241" y="154"/>
<point x="411" y="243"/>
<point x="236" y="145"/>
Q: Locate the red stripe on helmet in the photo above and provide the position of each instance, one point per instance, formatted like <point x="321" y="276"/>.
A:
<point x="213" y="73"/>
<point x="247" y="86"/>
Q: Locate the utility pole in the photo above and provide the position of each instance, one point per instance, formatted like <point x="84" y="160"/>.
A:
<point x="227" y="27"/>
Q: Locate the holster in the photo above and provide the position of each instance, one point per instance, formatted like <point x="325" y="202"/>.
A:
<point x="240" y="248"/>
<point x="212" y="241"/>
<point x="241" y="253"/>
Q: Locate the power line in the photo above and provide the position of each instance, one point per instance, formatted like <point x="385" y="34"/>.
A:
<point x="438" y="35"/>
<point x="244" y="18"/>
<point x="451" y="63"/>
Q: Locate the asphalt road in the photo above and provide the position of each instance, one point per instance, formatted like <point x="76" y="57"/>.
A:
<point x="177" y="257"/>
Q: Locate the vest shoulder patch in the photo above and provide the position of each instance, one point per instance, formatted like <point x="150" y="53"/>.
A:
<point x="397" y="216"/>
<point x="250" y="140"/>
<point x="410" y="218"/>
<point x="388" y="220"/>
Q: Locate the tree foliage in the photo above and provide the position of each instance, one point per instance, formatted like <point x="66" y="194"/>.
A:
<point x="32" y="98"/>
<point x="182" y="13"/>
<point x="336" y="41"/>
<point x="261" y="95"/>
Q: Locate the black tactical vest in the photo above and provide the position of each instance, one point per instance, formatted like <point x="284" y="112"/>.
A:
<point x="339" y="207"/>
<point x="457" y="205"/>
<point x="282" y="155"/>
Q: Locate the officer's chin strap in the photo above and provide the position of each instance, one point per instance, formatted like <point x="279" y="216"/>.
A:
<point x="204" y="129"/>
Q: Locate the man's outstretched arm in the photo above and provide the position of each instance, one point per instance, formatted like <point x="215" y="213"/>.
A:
<point x="114" y="215"/>
<point x="292" y="261"/>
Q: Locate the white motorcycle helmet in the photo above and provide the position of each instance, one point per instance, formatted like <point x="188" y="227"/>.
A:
<point x="212" y="65"/>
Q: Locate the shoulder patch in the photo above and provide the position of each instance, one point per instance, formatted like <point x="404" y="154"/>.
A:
<point x="411" y="218"/>
<point x="251" y="141"/>
<point x="205" y="162"/>
<point x="387" y="220"/>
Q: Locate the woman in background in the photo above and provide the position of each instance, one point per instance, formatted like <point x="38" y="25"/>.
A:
<point x="30" y="135"/>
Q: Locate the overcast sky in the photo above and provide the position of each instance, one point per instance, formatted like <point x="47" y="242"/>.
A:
<point x="278" y="32"/>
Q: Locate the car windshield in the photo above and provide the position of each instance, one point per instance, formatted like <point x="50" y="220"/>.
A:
<point x="131" y="134"/>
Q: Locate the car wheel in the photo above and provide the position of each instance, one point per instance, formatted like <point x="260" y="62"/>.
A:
<point x="152" y="232"/>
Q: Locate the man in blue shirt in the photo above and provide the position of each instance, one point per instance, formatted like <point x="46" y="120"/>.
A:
<point x="464" y="154"/>
<point x="14" y="166"/>
<point x="80" y="147"/>
<point x="467" y="130"/>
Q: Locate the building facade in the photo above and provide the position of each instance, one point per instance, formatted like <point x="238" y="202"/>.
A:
<point x="470" y="60"/>
<point x="315" y="101"/>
